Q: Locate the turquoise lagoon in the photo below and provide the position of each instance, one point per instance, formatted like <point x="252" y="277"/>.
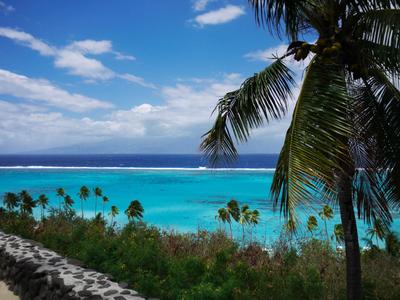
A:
<point x="174" y="199"/>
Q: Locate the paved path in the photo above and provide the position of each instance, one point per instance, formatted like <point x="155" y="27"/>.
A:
<point x="5" y="293"/>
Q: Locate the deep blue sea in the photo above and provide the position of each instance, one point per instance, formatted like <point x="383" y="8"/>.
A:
<point x="177" y="192"/>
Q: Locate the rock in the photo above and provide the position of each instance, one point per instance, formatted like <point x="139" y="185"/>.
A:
<point x="110" y="292"/>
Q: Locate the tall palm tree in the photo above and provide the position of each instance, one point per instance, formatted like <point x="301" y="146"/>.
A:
<point x="11" y="201"/>
<point x="312" y="224"/>
<point x="290" y="227"/>
<point x="223" y="216"/>
<point x="97" y="193"/>
<point x="326" y="214"/>
<point x="244" y="218"/>
<point x="346" y="115"/>
<point x="83" y="194"/>
<point x="392" y="244"/>
<point x="377" y="231"/>
<point x="113" y="213"/>
<point x="253" y="221"/>
<point x="68" y="202"/>
<point x="105" y="200"/>
<point x="27" y="203"/>
<point x="338" y="233"/>
<point x="43" y="201"/>
<point x="134" y="211"/>
<point x="233" y="210"/>
<point x="60" y="192"/>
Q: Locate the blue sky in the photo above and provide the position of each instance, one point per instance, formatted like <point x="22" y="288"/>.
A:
<point x="125" y="76"/>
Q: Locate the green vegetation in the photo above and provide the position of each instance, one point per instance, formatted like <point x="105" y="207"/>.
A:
<point x="203" y="265"/>
<point x="343" y="140"/>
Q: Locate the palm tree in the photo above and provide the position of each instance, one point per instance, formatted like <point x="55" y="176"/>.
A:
<point x="326" y="214"/>
<point x="83" y="194"/>
<point x="43" y="201"/>
<point x="254" y="220"/>
<point x="312" y="224"/>
<point x="290" y="227"/>
<point x="68" y="202"/>
<point x="27" y="203"/>
<point x="60" y="192"/>
<point x="378" y="230"/>
<point x="338" y="233"/>
<point x="392" y="244"/>
<point x="223" y="216"/>
<point x="346" y="115"/>
<point x="113" y="213"/>
<point x="11" y="201"/>
<point x="233" y="210"/>
<point x="244" y="218"/>
<point x="97" y="193"/>
<point x="105" y="200"/>
<point x="134" y="211"/>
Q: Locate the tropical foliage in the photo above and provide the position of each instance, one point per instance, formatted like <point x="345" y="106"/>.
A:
<point x="203" y="265"/>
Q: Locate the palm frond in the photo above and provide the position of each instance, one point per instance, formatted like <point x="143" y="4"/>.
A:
<point x="381" y="27"/>
<point x="370" y="5"/>
<point x="261" y="98"/>
<point x="385" y="57"/>
<point x="376" y="187"/>
<point x="274" y="13"/>
<point x="316" y="142"/>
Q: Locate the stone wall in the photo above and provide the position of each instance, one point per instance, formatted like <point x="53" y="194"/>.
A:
<point x="34" y="273"/>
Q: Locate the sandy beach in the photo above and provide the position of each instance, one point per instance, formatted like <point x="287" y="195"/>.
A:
<point x="5" y="293"/>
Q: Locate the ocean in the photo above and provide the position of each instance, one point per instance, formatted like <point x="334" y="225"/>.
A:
<point x="178" y="192"/>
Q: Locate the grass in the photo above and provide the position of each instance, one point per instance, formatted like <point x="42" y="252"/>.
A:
<point x="207" y="265"/>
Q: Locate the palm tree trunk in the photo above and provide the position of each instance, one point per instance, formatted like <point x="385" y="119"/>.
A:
<point x="326" y="231"/>
<point x="95" y="206"/>
<point x="353" y="264"/>
<point x="230" y="226"/>
<point x="82" y="207"/>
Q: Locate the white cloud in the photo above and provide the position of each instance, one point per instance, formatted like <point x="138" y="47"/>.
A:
<point x="6" y="8"/>
<point x="200" y="5"/>
<point x="120" y="56"/>
<point x="74" y="57"/>
<point x="43" y="91"/>
<point x="184" y="114"/>
<point x="220" y="16"/>
<point x="137" y="80"/>
<point x="28" y="40"/>
<point x="91" y="46"/>
<point x="80" y="65"/>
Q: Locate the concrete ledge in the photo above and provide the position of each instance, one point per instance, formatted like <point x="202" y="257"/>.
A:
<point x="34" y="272"/>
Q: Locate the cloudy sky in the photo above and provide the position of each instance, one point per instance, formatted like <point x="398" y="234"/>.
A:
<point x="125" y="76"/>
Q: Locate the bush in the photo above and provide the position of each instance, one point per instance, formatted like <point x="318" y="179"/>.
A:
<point x="206" y="265"/>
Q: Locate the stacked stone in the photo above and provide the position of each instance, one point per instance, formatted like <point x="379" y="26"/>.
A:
<point x="35" y="273"/>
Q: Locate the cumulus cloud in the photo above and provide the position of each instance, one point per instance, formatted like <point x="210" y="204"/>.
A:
<point x="220" y="16"/>
<point x="40" y="90"/>
<point x="79" y="64"/>
<point x="74" y="57"/>
<point x="184" y="113"/>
